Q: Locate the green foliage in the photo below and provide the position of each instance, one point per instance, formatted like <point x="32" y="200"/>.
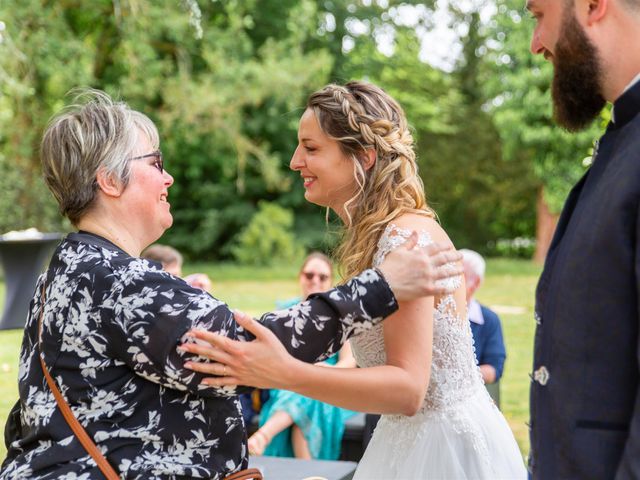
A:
<point x="33" y="69"/>
<point x="268" y="238"/>
<point x="478" y="195"/>
<point x="348" y="26"/>
<point x="226" y="82"/>
<point x="519" y="247"/>
<point x="490" y="197"/>
<point x="220" y="93"/>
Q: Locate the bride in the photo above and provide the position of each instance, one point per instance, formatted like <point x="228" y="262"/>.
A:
<point x="355" y="155"/>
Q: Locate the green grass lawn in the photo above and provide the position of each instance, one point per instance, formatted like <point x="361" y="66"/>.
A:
<point x="509" y="288"/>
<point x="511" y="283"/>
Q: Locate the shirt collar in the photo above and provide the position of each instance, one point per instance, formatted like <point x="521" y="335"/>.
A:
<point x="628" y="87"/>
<point x="632" y="83"/>
<point x="83" y="236"/>
<point x="475" y="312"/>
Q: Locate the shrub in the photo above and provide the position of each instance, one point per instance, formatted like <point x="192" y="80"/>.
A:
<point x="268" y="238"/>
<point x="519" y="247"/>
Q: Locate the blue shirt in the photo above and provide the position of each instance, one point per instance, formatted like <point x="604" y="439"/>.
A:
<point x="487" y="337"/>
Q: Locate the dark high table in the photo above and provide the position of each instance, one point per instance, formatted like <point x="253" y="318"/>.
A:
<point x="23" y="260"/>
<point x="277" y="468"/>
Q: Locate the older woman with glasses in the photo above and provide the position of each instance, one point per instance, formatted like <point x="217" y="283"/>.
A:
<point x="107" y="325"/>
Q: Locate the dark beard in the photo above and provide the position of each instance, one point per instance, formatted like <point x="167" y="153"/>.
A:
<point x="576" y="89"/>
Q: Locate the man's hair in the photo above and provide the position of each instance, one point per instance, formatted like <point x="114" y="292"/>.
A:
<point x="164" y="254"/>
<point x="632" y="4"/>
<point x="475" y="262"/>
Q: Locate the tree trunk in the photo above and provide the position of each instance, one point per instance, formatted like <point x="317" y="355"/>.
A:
<point x="545" y="227"/>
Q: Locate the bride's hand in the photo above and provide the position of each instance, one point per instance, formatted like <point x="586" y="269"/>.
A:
<point x="262" y="363"/>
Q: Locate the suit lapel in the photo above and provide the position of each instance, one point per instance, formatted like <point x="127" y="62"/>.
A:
<point x="561" y="228"/>
<point x="565" y="216"/>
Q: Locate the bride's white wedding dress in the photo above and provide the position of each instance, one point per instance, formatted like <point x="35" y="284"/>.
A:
<point x="458" y="433"/>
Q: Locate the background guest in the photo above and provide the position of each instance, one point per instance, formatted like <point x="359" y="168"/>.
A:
<point x="295" y="425"/>
<point x="171" y="260"/>
<point x="485" y="324"/>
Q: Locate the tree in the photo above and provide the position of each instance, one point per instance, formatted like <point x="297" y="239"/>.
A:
<point x="495" y="197"/>
<point x="210" y="85"/>
<point x="478" y="196"/>
<point x="267" y="239"/>
<point x="522" y="110"/>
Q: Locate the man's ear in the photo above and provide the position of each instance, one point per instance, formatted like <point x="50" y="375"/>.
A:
<point x="474" y="283"/>
<point x="597" y="10"/>
<point x="108" y="184"/>
<point x="369" y="158"/>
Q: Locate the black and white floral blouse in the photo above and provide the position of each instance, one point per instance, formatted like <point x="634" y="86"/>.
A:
<point x="111" y="326"/>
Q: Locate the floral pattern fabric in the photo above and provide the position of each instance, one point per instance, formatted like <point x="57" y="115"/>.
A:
<point x="111" y="327"/>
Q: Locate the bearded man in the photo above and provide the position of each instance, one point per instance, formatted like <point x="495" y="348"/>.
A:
<point x="585" y="401"/>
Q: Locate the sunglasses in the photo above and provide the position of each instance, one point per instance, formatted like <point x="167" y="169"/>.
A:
<point x="158" y="162"/>
<point x="322" y="276"/>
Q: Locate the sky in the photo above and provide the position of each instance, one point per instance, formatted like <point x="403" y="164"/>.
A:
<point x="439" y="37"/>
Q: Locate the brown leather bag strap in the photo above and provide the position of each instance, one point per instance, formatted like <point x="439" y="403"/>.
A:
<point x="248" y="474"/>
<point x="88" y="444"/>
<point x="82" y="435"/>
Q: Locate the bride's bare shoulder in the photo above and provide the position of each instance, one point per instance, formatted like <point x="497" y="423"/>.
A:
<point x="417" y="222"/>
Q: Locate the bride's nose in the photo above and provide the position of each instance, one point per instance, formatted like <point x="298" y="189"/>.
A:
<point x="297" y="160"/>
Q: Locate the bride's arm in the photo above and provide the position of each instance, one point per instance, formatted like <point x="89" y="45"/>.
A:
<point x="400" y="385"/>
<point x="397" y="387"/>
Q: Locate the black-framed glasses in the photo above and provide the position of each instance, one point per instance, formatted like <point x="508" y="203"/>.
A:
<point x="158" y="162"/>
<point x="322" y="276"/>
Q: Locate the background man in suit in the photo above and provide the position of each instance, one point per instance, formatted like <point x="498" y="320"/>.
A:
<point x="485" y="324"/>
<point x="585" y="405"/>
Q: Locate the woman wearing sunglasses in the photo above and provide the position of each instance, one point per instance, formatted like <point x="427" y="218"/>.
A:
<point x="292" y="425"/>
<point x="107" y="325"/>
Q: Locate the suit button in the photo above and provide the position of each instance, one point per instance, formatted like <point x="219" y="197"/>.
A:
<point x="537" y="318"/>
<point x="541" y="375"/>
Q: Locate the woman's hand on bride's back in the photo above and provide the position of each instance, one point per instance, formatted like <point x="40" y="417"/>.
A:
<point x="414" y="272"/>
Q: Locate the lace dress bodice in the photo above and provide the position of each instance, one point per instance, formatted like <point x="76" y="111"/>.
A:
<point x="454" y="373"/>
<point x="458" y="432"/>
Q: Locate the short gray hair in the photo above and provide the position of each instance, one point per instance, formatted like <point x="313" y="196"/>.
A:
<point x="92" y="134"/>
<point x="475" y="262"/>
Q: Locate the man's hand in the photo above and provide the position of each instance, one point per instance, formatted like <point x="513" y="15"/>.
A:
<point x="415" y="272"/>
<point x="488" y="373"/>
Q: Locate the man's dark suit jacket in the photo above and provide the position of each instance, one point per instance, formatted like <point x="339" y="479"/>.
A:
<point x="585" y="404"/>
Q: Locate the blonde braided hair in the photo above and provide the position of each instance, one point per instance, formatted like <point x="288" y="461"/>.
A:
<point x="360" y="117"/>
